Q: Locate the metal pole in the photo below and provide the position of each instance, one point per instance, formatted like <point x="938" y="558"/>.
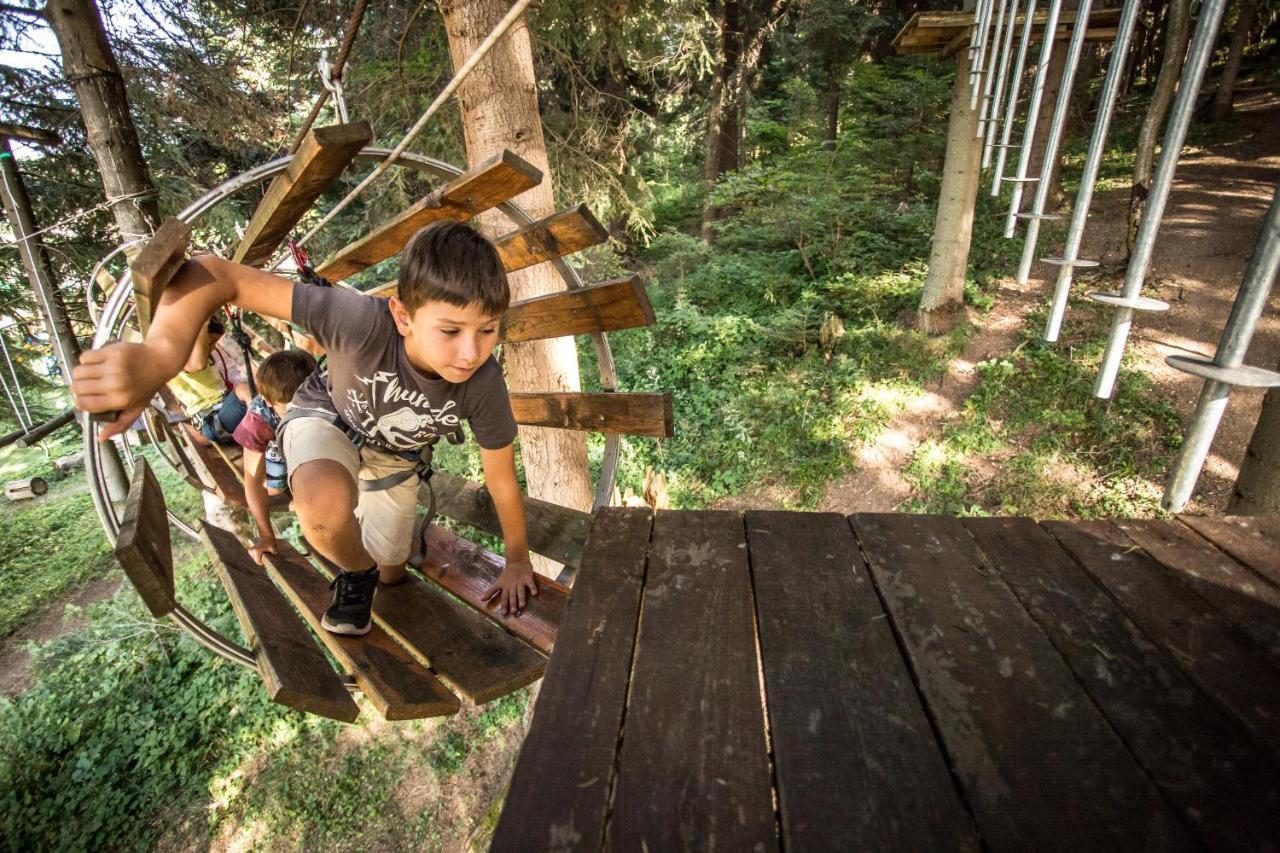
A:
<point x="17" y="413"/>
<point x="1010" y="109"/>
<point x="1006" y="57"/>
<point x="1092" y="162"/>
<point x="1161" y="182"/>
<point x="997" y="57"/>
<point x="13" y="371"/>
<point x="979" y="51"/>
<point x="17" y="207"/>
<point x="1033" y="114"/>
<point x="1050" y="159"/>
<point x="1255" y="289"/>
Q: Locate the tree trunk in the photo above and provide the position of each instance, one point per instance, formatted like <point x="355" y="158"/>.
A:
<point x="1257" y="488"/>
<point x="832" y="98"/>
<point x="722" y="115"/>
<point x="91" y="69"/>
<point x="1226" y="92"/>
<point x="499" y="103"/>
<point x="1177" y="33"/>
<point x="942" y="303"/>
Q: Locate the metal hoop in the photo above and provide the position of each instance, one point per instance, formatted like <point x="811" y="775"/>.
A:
<point x="119" y="304"/>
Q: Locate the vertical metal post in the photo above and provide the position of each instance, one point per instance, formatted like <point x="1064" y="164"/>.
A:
<point x="13" y="371"/>
<point x="1006" y="57"/>
<point x="995" y="58"/>
<point x="1161" y="182"/>
<point x="1092" y="162"/>
<point x="1033" y="114"/>
<point x="1050" y="159"/>
<point x="1011" y="109"/>
<point x="17" y="207"/>
<point x="979" y="51"/>
<point x="1255" y="289"/>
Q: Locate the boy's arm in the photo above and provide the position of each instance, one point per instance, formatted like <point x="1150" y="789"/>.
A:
<point x="255" y="494"/>
<point x="199" y="357"/>
<point x="517" y="581"/>
<point x="123" y="376"/>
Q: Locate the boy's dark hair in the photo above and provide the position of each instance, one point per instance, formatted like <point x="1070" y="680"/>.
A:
<point x="215" y="326"/>
<point x="451" y="262"/>
<point x="281" y="374"/>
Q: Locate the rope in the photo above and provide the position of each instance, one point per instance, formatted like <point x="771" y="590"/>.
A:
<point x="339" y="62"/>
<point x="472" y="61"/>
<point x="13" y="244"/>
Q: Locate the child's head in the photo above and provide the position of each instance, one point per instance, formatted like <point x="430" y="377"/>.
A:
<point x="281" y="374"/>
<point x="452" y="294"/>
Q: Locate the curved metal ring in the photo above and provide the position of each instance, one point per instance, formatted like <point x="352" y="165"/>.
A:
<point x="117" y="306"/>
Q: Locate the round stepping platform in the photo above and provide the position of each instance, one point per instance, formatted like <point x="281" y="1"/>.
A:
<point x="1137" y="303"/>
<point x="1014" y="179"/>
<point x="1243" y="376"/>
<point x="1040" y="217"/>
<point x="1063" y="262"/>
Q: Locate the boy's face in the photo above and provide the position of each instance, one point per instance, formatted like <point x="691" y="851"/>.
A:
<point x="445" y="339"/>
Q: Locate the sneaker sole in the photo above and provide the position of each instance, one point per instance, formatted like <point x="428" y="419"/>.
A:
<point x="348" y="630"/>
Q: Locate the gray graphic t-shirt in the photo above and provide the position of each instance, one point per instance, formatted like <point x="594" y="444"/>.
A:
<point x="371" y="383"/>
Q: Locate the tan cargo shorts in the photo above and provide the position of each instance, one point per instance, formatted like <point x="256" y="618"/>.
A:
<point x="386" y="516"/>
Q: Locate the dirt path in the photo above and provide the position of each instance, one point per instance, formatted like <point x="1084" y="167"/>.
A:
<point x="15" y="660"/>
<point x="1212" y="219"/>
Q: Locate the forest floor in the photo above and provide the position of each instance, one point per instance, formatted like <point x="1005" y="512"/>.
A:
<point x="1214" y="213"/>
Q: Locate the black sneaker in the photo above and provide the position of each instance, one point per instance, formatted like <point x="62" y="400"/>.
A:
<point x="352" y="602"/>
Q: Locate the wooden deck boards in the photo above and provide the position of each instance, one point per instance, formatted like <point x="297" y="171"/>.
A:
<point x="807" y="682"/>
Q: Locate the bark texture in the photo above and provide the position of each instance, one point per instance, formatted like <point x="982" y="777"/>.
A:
<point x="499" y="103"/>
<point x="1246" y="12"/>
<point x="1177" y="34"/>
<point x="91" y="68"/>
<point x="942" y="303"/>
<point x="1257" y="488"/>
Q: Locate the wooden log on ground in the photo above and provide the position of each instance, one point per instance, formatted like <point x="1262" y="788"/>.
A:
<point x="156" y="264"/>
<point x="292" y="666"/>
<point x="605" y="307"/>
<point x="555" y="531"/>
<point x="69" y="463"/>
<point x="143" y="546"/>
<point x="21" y="490"/>
<point x="560" y="234"/>
<point x="10" y="437"/>
<point x="491" y="183"/>
<point x="467" y="570"/>
<point x="614" y="412"/>
<point x="398" y="685"/>
<point x="322" y="157"/>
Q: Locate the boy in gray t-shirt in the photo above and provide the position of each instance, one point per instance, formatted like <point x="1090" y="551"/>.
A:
<point x="401" y="373"/>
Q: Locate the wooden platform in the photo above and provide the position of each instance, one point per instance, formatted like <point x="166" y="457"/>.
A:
<point x="947" y="32"/>
<point x="806" y="681"/>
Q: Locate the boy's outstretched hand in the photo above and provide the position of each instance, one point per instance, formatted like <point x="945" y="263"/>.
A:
<point x="514" y="587"/>
<point x="120" y="377"/>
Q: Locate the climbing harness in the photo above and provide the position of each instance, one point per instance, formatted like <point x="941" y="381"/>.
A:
<point x="241" y="337"/>
<point x="302" y="261"/>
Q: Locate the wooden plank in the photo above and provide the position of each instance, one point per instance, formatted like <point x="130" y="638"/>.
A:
<point x="1023" y="738"/>
<point x="1203" y="761"/>
<point x="155" y="265"/>
<point x="486" y="186"/>
<point x="605" y="307"/>
<point x="849" y="734"/>
<point x="555" y="531"/>
<point x="322" y="157"/>
<point x="563" y="778"/>
<point x="560" y="234"/>
<point x="214" y="469"/>
<point x="612" y="412"/>
<point x="143" y="546"/>
<point x="1237" y="593"/>
<point x="398" y="685"/>
<point x="466" y="570"/>
<point x="292" y="666"/>
<point x="1253" y="540"/>
<point x="1223" y="661"/>
<point x="693" y="767"/>
<point x="478" y="659"/>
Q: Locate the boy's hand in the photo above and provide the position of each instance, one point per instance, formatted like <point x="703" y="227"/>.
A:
<point x="262" y="546"/>
<point x="516" y="583"/>
<point x="120" y="377"/>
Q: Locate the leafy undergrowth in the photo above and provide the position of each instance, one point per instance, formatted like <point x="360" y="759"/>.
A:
<point x="1033" y="440"/>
